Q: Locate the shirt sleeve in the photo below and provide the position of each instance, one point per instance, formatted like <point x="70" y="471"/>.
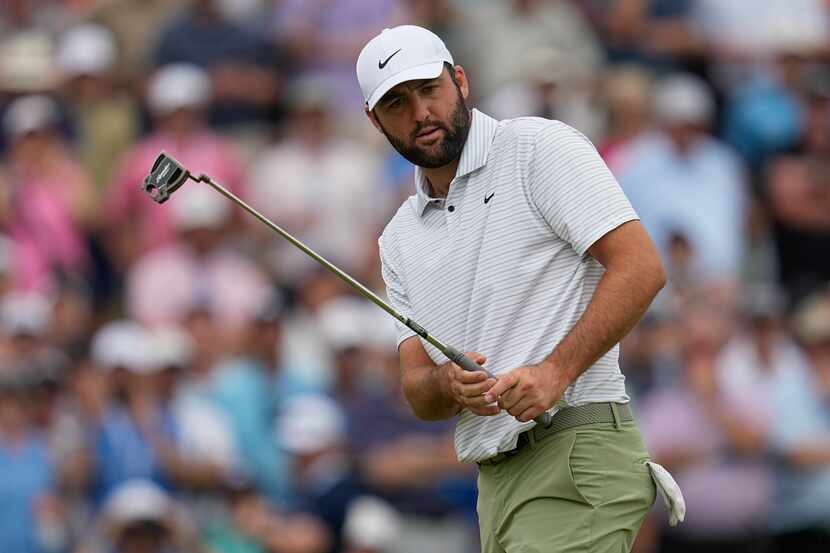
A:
<point x="395" y="289"/>
<point x="573" y="189"/>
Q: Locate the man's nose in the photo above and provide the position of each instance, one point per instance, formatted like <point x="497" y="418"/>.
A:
<point x="420" y="109"/>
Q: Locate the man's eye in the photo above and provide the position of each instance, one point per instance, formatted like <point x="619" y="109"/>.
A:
<point x="430" y="88"/>
<point x="394" y="104"/>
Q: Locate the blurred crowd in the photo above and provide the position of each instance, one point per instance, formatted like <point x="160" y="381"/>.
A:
<point x="177" y="378"/>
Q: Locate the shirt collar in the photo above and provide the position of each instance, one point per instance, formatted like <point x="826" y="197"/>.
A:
<point x="473" y="156"/>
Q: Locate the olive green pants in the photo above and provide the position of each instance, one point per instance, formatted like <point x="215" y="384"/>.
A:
<point x="585" y="489"/>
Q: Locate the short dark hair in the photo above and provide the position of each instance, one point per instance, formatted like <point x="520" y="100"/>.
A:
<point x="451" y="70"/>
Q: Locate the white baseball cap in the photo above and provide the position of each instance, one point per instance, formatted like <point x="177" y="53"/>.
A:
<point x="136" y="500"/>
<point x="176" y="86"/>
<point x="683" y="98"/>
<point x="397" y="55"/>
<point x="310" y="423"/>
<point x="88" y="49"/>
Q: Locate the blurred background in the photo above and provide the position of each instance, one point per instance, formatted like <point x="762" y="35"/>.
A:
<point x="177" y="378"/>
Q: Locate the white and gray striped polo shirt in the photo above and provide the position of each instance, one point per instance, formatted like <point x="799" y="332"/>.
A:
<point x="500" y="266"/>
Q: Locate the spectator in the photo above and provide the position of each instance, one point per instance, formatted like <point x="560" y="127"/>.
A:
<point x="627" y="93"/>
<point x="136" y="25"/>
<point x="517" y="27"/>
<point x="30" y="514"/>
<point x="312" y="430"/>
<point x="409" y="463"/>
<point x="105" y="118"/>
<point x="796" y="191"/>
<point x="711" y="444"/>
<point x="681" y="178"/>
<point x="801" y="435"/>
<point x="323" y="37"/>
<point x="199" y="272"/>
<point x="136" y="436"/>
<point x="316" y="184"/>
<point x="49" y="201"/>
<point x="242" y="65"/>
<point x="547" y="84"/>
<point x="140" y="517"/>
<point x="252" y="389"/>
<point x="177" y="96"/>
<point x="659" y="33"/>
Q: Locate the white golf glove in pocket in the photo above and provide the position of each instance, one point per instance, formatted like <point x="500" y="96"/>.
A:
<point x="669" y="491"/>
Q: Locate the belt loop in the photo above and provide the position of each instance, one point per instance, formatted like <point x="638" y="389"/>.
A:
<point x="531" y="437"/>
<point x="616" y="414"/>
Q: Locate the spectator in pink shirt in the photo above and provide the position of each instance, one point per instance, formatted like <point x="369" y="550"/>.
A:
<point x="198" y="273"/>
<point x="177" y="96"/>
<point x="47" y="200"/>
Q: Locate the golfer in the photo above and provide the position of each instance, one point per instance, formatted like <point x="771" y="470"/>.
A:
<point x="519" y="245"/>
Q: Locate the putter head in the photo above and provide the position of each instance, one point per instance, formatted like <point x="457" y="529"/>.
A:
<point x="166" y="176"/>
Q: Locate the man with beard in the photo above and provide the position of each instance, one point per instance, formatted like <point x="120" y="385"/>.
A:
<point x="519" y="244"/>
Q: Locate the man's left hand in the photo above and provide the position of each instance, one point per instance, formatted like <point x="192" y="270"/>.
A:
<point x="528" y="391"/>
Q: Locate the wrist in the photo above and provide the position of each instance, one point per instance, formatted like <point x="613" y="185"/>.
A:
<point x="441" y="374"/>
<point x="558" y="372"/>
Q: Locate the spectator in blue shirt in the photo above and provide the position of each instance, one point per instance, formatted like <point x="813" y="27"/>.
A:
<point x="801" y="435"/>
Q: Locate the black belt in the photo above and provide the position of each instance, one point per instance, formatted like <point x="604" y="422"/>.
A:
<point x="564" y="419"/>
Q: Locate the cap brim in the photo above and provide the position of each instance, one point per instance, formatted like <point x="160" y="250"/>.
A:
<point x="426" y="71"/>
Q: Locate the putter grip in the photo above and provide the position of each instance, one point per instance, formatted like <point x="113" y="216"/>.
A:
<point x="469" y="365"/>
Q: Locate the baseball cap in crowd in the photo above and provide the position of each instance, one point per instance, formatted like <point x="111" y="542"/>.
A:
<point x="124" y="344"/>
<point x="310" y="423"/>
<point x="138" y="500"/>
<point x="30" y="113"/>
<point x="25" y="313"/>
<point x="397" y="55"/>
<point x="172" y="346"/>
<point x="811" y="320"/>
<point x="27" y="62"/>
<point x="683" y="99"/>
<point x="198" y="207"/>
<point x="177" y="86"/>
<point x="371" y="524"/>
<point x="87" y="49"/>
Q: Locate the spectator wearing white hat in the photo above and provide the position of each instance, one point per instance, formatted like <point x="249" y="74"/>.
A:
<point x="105" y="117"/>
<point x="252" y="387"/>
<point x="680" y="178"/>
<point x="243" y="65"/>
<point x="177" y="96"/>
<point x="312" y="429"/>
<point x="140" y="517"/>
<point x="48" y="196"/>
<point x="315" y="181"/>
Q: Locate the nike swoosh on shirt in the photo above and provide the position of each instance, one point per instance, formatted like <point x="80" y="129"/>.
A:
<point x="382" y="64"/>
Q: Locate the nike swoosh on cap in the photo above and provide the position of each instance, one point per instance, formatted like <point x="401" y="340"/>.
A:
<point x="382" y="64"/>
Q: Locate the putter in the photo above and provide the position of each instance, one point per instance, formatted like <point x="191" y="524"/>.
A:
<point x="168" y="175"/>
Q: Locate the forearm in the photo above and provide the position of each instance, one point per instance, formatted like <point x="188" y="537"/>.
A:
<point x="427" y="390"/>
<point x="622" y="297"/>
<point x="808" y="455"/>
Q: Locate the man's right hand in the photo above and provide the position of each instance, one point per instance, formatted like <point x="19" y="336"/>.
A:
<point x="468" y="388"/>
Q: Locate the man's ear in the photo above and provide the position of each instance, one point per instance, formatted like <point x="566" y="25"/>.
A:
<point x="463" y="83"/>
<point x="373" y="118"/>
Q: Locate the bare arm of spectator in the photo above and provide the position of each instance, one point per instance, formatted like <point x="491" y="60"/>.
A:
<point x="810" y="454"/>
<point x="413" y="461"/>
<point x="247" y="82"/>
<point x="628" y="22"/>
